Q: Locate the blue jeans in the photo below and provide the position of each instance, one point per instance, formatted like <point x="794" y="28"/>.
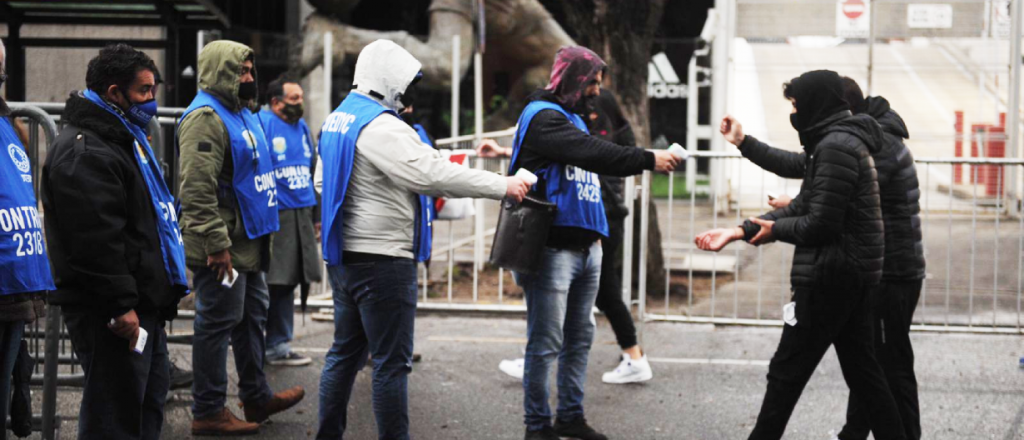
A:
<point x="559" y="323"/>
<point x="280" y="321"/>
<point x="124" y="393"/>
<point x="374" y="312"/>
<point x="237" y="315"/>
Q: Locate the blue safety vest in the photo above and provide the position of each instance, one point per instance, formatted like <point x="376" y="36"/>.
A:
<point x="425" y="214"/>
<point x="253" y="181"/>
<point x="23" y="263"/>
<point x="292" y="156"/>
<point x="576" y="192"/>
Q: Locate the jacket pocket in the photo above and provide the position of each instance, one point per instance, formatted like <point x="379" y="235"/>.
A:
<point x="832" y="264"/>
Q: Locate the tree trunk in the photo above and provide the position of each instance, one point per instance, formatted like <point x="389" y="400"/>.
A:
<point x="621" y="33"/>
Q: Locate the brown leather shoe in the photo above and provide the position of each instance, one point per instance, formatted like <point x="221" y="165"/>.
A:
<point x="223" y="424"/>
<point x="279" y="402"/>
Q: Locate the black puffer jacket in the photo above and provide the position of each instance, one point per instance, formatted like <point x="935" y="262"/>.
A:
<point x="836" y="220"/>
<point x="101" y="227"/>
<point x="897" y="184"/>
<point x="901" y="207"/>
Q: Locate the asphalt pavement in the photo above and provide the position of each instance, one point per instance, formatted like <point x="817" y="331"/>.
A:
<point x="708" y="384"/>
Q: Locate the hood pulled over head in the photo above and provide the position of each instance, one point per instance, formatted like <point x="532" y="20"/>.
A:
<point x="384" y="70"/>
<point x="575" y="67"/>
<point x="220" y="70"/>
<point x="818" y="95"/>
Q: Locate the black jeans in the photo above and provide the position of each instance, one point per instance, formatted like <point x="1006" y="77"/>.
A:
<point x="609" y="291"/>
<point x="894" y="309"/>
<point x="826" y="318"/>
<point x="124" y="391"/>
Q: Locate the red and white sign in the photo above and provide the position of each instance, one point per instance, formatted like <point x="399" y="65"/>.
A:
<point x="853" y="9"/>
<point x="853" y="18"/>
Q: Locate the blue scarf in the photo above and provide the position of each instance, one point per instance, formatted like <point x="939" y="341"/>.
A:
<point x="163" y="202"/>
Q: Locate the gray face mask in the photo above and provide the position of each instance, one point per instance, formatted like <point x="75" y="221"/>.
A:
<point x="293" y="111"/>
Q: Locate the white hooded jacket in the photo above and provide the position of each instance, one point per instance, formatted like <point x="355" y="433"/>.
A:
<point x="392" y="165"/>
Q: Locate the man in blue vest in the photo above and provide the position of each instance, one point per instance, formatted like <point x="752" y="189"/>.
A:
<point x="117" y="253"/>
<point x="295" y="259"/>
<point x="24" y="270"/>
<point x="552" y="141"/>
<point x="374" y="165"/>
<point x="229" y="203"/>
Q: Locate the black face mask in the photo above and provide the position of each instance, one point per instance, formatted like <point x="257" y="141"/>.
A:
<point x="586" y="105"/>
<point x="293" y="111"/>
<point x="409" y="118"/>
<point x="794" y="120"/>
<point x="247" y="90"/>
<point x="408" y="98"/>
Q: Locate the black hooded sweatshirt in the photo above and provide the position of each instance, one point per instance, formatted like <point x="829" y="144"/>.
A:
<point x="551" y="137"/>
<point x="897" y="183"/>
<point x="836" y="220"/>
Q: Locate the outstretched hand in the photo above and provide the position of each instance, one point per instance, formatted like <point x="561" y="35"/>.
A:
<point x="488" y="148"/>
<point x="716" y="239"/>
<point x="732" y="130"/>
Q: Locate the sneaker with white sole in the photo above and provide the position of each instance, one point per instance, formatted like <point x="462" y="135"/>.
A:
<point x="513" y="367"/>
<point x="292" y="359"/>
<point x="629" y="371"/>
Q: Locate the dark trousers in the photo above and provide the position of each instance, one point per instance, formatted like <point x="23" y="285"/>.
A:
<point x="235" y="316"/>
<point x="281" y="320"/>
<point x="124" y="391"/>
<point x="10" y="341"/>
<point x="825" y="318"/>
<point x="894" y="310"/>
<point x="609" y="291"/>
<point x="374" y="312"/>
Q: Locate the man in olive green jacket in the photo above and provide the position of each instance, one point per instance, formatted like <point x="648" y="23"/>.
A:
<point x="228" y="213"/>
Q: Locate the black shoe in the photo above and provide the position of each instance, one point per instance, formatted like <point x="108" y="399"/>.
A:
<point x="545" y="433"/>
<point x="180" y="378"/>
<point x="578" y="429"/>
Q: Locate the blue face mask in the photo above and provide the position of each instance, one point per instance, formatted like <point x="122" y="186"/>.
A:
<point x="141" y="114"/>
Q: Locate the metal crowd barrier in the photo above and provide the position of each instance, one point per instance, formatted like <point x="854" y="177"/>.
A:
<point x="974" y="252"/>
<point x="974" y="248"/>
<point x="49" y="344"/>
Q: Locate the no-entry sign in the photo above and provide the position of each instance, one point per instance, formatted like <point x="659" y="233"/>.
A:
<point x="853" y="18"/>
<point x="853" y="9"/>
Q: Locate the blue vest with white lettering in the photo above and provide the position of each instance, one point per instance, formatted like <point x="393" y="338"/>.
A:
<point x="253" y="181"/>
<point x="576" y="192"/>
<point x="337" y="154"/>
<point x="23" y="264"/>
<point x="424" y="238"/>
<point x="292" y="157"/>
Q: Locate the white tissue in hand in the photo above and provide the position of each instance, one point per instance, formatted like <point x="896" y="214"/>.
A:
<point x="140" y="344"/>
<point x="789" y="313"/>
<point x="678" y="151"/>
<point x="226" y="282"/>
<point x="527" y="176"/>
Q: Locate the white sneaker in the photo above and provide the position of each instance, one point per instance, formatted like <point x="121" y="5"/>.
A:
<point x="629" y="371"/>
<point x="512" y="367"/>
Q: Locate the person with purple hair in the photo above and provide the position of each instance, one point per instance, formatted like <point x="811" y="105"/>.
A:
<point x="552" y="141"/>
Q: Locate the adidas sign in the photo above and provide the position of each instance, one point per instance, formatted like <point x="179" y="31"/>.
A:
<point x="662" y="80"/>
